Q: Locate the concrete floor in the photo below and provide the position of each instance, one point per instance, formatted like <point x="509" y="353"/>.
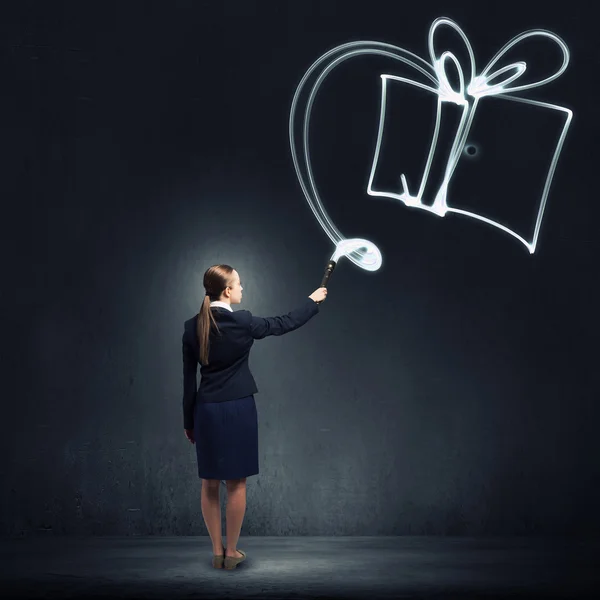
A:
<point x="301" y="567"/>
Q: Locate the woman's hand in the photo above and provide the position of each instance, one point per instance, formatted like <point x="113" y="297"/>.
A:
<point x="189" y="434"/>
<point x="319" y="295"/>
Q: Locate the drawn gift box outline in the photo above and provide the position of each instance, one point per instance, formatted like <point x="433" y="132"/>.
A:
<point x="364" y="253"/>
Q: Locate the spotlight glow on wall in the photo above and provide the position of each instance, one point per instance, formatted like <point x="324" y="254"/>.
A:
<point x="492" y="81"/>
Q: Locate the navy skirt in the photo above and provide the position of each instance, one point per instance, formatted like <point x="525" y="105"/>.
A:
<point x="226" y="436"/>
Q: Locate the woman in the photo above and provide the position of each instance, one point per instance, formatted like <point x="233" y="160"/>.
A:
<point x="220" y="417"/>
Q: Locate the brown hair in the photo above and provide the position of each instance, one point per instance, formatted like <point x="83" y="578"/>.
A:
<point x="216" y="279"/>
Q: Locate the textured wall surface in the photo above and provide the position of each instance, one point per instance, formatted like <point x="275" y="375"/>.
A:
<point x="452" y="392"/>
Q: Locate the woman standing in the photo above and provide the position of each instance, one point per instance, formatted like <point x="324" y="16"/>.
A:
<point x="220" y="416"/>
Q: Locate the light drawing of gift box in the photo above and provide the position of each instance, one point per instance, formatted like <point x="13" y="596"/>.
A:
<point x="495" y="81"/>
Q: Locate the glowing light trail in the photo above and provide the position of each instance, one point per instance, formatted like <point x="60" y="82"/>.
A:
<point x="364" y="253"/>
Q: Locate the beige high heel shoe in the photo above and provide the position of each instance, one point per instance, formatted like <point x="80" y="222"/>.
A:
<point x="217" y="560"/>
<point x="231" y="562"/>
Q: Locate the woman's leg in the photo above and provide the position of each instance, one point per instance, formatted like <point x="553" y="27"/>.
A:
<point x="236" y="507"/>
<point x="211" y="511"/>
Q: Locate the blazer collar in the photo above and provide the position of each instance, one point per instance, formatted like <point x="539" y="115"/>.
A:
<point x="219" y="304"/>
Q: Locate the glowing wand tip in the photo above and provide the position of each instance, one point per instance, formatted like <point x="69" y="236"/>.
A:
<point x="362" y="253"/>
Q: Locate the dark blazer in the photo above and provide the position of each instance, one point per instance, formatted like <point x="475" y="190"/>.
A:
<point x="227" y="375"/>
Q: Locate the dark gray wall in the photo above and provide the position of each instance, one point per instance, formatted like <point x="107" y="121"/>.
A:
<point x="454" y="391"/>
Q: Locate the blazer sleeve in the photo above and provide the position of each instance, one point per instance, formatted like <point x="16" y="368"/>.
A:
<point x="261" y="327"/>
<point x="190" y="384"/>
